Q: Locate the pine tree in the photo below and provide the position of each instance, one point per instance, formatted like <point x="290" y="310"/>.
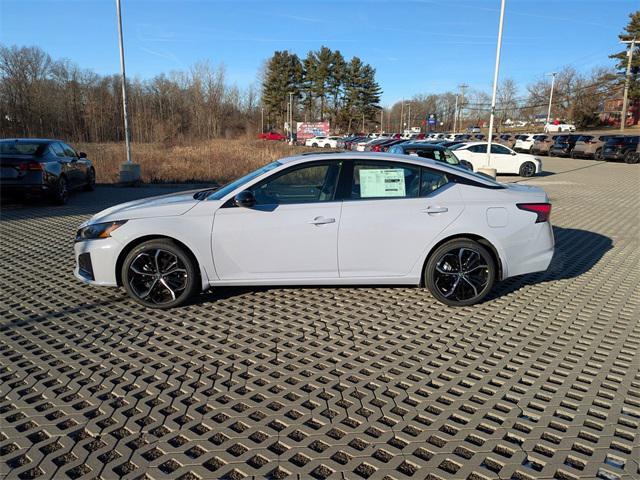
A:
<point x="283" y="75"/>
<point x="631" y="31"/>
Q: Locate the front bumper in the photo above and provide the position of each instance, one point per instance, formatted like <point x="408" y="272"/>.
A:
<point x="102" y="256"/>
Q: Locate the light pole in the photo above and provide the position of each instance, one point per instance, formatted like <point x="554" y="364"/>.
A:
<point x="627" y="81"/>
<point x="553" y="83"/>
<point x="290" y="116"/>
<point x="455" y="115"/>
<point x="261" y="119"/>
<point x="462" y="88"/>
<point x="409" y="117"/>
<point x="381" y="119"/>
<point x="401" y="115"/>
<point x="488" y="170"/>
<point x="129" y="172"/>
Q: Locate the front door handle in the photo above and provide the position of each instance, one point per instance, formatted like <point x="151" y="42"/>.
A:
<point x="322" y="221"/>
<point x="435" y="209"/>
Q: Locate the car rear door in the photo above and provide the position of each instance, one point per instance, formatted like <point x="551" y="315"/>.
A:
<point x="391" y="212"/>
<point x="74" y="169"/>
<point x="291" y="233"/>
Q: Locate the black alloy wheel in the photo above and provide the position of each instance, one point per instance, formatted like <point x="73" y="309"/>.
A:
<point x="460" y="273"/>
<point x="159" y="274"/>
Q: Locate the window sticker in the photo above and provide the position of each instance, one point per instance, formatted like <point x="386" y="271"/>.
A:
<point x="382" y="183"/>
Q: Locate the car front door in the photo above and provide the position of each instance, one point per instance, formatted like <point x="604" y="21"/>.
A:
<point x="391" y="214"/>
<point x="290" y="233"/>
<point x="503" y="159"/>
<point x="75" y="168"/>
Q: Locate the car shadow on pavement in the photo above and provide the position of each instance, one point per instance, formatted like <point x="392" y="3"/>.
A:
<point x="576" y="252"/>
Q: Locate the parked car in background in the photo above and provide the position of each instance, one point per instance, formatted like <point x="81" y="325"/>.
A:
<point x="322" y="141"/>
<point x="429" y="150"/>
<point x="589" y="146"/>
<point x="559" y="127"/>
<point x="323" y="219"/>
<point x="473" y="130"/>
<point x="563" y="145"/>
<point x="503" y="159"/>
<point x="43" y="167"/>
<point x="524" y="143"/>
<point x="506" y="139"/>
<point x="349" y="143"/>
<point x="272" y="136"/>
<point x="621" y="148"/>
<point x="542" y="143"/>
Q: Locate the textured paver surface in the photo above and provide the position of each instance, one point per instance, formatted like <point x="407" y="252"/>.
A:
<point x="540" y="381"/>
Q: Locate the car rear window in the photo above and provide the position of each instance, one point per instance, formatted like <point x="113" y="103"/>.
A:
<point x="585" y="138"/>
<point x="539" y="137"/>
<point x="21" y="148"/>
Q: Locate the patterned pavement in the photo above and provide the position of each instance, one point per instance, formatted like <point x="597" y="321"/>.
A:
<point x="540" y="381"/>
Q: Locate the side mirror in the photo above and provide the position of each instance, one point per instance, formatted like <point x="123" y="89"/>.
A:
<point x="513" y="153"/>
<point x="245" y="199"/>
<point x="82" y="155"/>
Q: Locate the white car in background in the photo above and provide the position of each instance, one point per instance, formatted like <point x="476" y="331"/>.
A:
<point x="561" y="127"/>
<point x="524" y="142"/>
<point x="322" y="142"/>
<point x="362" y="146"/>
<point x="503" y="159"/>
<point x="337" y="219"/>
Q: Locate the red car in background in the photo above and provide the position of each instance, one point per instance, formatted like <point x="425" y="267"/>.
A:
<point x="272" y="136"/>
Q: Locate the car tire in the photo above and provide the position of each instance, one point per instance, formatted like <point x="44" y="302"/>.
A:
<point x="326" y="145"/>
<point x="91" y="180"/>
<point x="598" y="154"/>
<point x="61" y="191"/>
<point x="450" y="283"/>
<point x="314" y="144"/>
<point x="160" y="274"/>
<point x="527" y="169"/>
<point x="631" y="158"/>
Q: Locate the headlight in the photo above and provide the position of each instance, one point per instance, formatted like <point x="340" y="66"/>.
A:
<point x="98" y="230"/>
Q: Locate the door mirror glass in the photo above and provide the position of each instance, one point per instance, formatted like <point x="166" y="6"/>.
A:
<point x="82" y="155"/>
<point x="245" y="199"/>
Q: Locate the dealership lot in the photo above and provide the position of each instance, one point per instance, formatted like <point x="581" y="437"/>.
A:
<point x="540" y="381"/>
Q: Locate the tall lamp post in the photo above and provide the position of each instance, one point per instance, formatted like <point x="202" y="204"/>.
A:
<point x="129" y="172"/>
<point x="627" y="81"/>
<point x="553" y="83"/>
<point x="488" y="170"/>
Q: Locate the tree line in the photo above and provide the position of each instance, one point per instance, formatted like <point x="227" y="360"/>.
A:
<point x="323" y="86"/>
<point x="40" y="96"/>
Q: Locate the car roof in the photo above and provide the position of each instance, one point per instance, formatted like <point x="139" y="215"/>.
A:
<point x="30" y="140"/>
<point x="427" y="162"/>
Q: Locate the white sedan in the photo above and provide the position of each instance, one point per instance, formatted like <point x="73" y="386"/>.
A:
<point x="559" y="127"/>
<point x="503" y="159"/>
<point x="343" y="218"/>
<point x="323" y="142"/>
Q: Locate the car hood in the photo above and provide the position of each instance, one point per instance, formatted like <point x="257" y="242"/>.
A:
<point x="162" y="206"/>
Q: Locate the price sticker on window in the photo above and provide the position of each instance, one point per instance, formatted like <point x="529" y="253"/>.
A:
<point x="382" y="182"/>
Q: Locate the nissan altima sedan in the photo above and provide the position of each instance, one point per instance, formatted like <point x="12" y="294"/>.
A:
<point x="323" y="219"/>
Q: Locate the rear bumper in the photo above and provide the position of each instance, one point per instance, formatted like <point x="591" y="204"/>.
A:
<point x="559" y="152"/>
<point x="8" y="188"/>
<point x="537" y="255"/>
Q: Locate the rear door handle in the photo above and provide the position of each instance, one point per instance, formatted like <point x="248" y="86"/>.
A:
<point x="322" y="221"/>
<point x="435" y="209"/>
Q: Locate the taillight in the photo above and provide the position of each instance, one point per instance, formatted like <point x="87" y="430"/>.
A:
<point x="30" y="166"/>
<point x="543" y="210"/>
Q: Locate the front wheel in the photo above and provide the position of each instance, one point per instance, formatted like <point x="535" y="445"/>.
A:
<point x="460" y="273"/>
<point x="314" y="144"/>
<point x="159" y="274"/>
<point x="631" y="157"/>
<point x="91" y="180"/>
<point x="527" y="169"/>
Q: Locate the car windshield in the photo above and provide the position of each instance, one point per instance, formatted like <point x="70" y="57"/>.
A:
<point x="11" y="147"/>
<point x="230" y="187"/>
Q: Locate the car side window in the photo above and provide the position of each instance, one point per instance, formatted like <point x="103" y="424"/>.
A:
<point x="431" y="180"/>
<point x="305" y="184"/>
<point x="57" y="150"/>
<point x="373" y="180"/>
<point x="478" y="148"/>
<point x="69" y="152"/>
<point x="500" y="149"/>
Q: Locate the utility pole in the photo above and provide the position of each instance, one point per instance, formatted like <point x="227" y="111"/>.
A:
<point x="462" y="88"/>
<point x="291" y="116"/>
<point x="381" y="119"/>
<point x="409" y="117"/>
<point x="553" y="82"/>
<point x="129" y="172"/>
<point x="401" y="115"/>
<point x="627" y="82"/>
<point x="363" y="122"/>
<point x="455" y="115"/>
<point x="261" y="119"/>
<point x="488" y="170"/>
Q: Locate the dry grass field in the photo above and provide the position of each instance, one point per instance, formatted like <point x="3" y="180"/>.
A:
<point x="212" y="161"/>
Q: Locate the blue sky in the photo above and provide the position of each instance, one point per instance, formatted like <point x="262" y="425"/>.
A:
<point x="416" y="46"/>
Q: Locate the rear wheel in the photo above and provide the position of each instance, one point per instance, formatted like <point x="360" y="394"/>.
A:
<point x="326" y="145"/>
<point x="159" y="274"/>
<point x="460" y="273"/>
<point x="314" y="144"/>
<point x="527" y="169"/>
<point x="61" y="191"/>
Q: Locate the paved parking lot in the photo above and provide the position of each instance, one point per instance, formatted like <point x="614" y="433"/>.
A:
<point x="541" y="381"/>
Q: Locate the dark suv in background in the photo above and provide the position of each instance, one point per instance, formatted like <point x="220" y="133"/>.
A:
<point x="621" y="148"/>
<point x="43" y="167"/>
<point x="563" y="145"/>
